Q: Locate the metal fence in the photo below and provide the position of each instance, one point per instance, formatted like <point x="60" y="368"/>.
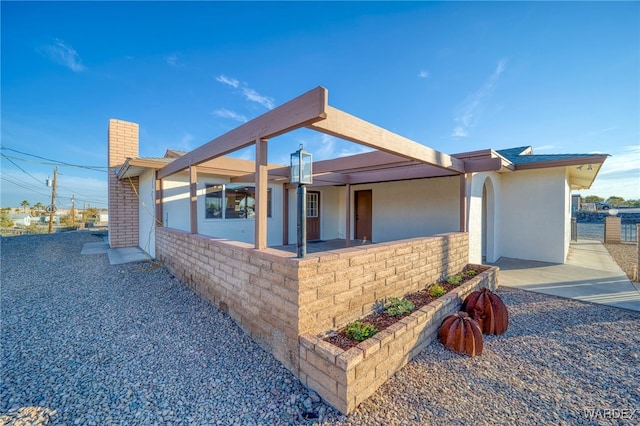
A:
<point x="595" y="231"/>
<point x="629" y="232"/>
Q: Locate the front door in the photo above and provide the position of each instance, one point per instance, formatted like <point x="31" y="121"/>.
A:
<point x="362" y="220"/>
<point x="313" y="215"/>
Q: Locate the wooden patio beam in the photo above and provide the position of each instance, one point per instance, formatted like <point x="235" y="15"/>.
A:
<point x="260" y="202"/>
<point x="351" y="128"/>
<point x="299" y="112"/>
<point x="193" y="198"/>
<point x="400" y="173"/>
<point x="464" y="202"/>
<point x="483" y="165"/>
<point x="359" y="161"/>
<point x="158" y="200"/>
<point x="347" y="225"/>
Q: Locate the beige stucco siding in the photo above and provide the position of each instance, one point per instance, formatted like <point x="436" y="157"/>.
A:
<point x="146" y="214"/>
<point x="534" y="215"/>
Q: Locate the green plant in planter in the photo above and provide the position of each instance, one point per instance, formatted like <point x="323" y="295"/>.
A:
<point x="399" y="306"/>
<point x="454" y="279"/>
<point x="470" y="273"/>
<point x="360" y="331"/>
<point x="436" y="290"/>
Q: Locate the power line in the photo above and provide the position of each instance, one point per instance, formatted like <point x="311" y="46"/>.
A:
<point x="21" y="185"/>
<point x="56" y="162"/>
<point x="32" y="188"/>
<point x="23" y="170"/>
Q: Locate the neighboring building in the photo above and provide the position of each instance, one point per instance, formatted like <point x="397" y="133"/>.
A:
<point x="21" y="219"/>
<point x="218" y="223"/>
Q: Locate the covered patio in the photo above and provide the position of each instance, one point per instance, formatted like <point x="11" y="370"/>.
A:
<point x="395" y="158"/>
<point x="283" y="301"/>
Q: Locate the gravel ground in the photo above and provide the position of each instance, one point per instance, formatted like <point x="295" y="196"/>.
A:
<point x="625" y="255"/>
<point x="84" y="342"/>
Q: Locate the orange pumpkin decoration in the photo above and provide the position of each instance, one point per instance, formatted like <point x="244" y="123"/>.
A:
<point x="461" y="334"/>
<point x="488" y="309"/>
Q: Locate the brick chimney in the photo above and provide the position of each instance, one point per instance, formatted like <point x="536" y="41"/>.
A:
<point x="123" y="201"/>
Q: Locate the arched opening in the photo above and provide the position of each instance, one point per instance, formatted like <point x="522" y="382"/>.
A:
<point x="488" y="222"/>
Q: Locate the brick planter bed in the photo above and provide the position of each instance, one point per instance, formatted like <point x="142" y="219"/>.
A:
<point x="344" y="379"/>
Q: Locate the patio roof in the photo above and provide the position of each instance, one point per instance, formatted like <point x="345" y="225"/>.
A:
<point x="394" y="157"/>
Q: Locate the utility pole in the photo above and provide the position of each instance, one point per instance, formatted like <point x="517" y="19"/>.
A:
<point x="73" y="210"/>
<point x="52" y="207"/>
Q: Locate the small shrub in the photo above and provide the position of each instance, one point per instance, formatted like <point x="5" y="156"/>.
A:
<point x="436" y="290"/>
<point x="399" y="306"/>
<point x="470" y="273"/>
<point x="454" y="279"/>
<point x="360" y="331"/>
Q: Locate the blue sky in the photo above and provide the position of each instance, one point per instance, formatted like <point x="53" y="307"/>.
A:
<point x="455" y="76"/>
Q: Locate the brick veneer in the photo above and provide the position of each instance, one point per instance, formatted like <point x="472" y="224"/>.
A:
<point x="346" y="378"/>
<point x="276" y="297"/>
<point x="257" y="288"/>
<point x="612" y="229"/>
<point x="343" y="285"/>
<point x="123" y="200"/>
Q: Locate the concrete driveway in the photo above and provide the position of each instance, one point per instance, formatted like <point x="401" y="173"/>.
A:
<point x="590" y="275"/>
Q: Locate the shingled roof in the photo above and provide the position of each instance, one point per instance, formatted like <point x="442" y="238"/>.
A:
<point x="524" y="155"/>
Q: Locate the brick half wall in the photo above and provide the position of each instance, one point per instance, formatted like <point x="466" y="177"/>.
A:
<point x="343" y="285"/>
<point x="257" y="288"/>
<point x="276" y="297"/>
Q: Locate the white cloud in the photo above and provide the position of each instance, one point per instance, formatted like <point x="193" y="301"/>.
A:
<point x="601" y="131"/>
<point x="469" y="111"/>
<point x="225" y="113"/>
<point x="353" y="150"/>
<point x="254" y="96"/>
<point x="228" y="81"/>
<point x="625" y="160"/>
<point x="327" y="147"/>
<point x="172" y="60"/>
<point x="537" y="149"/>
<point x="423" y="74"/>
<point x="249" y="93"/>
<point x="620" y="175"/>
<point x="63" y="54"/>
<point x="185" y="142"/>
<point x="460" y="132"/>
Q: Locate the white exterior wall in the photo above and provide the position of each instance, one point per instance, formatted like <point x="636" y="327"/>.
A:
<point x="413" y="208"/>
<point x="475" y="212"/>
<point x="535" y="210"/>
<point x="175" y="202"/>
<point x="332" y="212"/>
<point x="146" y="215"/>
<point x="567" y="215"/>
<point x="401" y="210"/>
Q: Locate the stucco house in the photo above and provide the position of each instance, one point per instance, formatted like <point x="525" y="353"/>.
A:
<point x="220" y="223"/>
<point x="21" y="219"/>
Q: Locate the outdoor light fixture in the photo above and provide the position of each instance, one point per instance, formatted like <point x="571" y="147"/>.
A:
<point x="579" y="167"/>
<point x="589" y="168"/>
<point x="613" y="212"/>
<point x="302" y="175"/>
<point x="301" y="167"/>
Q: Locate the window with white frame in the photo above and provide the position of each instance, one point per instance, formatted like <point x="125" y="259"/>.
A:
<point x="312" y="204"/>
<point x="232" y="201"/>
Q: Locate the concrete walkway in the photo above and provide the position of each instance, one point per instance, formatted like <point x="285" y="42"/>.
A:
<point x="116" y="256"/>
<point x="590" y="275"/>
